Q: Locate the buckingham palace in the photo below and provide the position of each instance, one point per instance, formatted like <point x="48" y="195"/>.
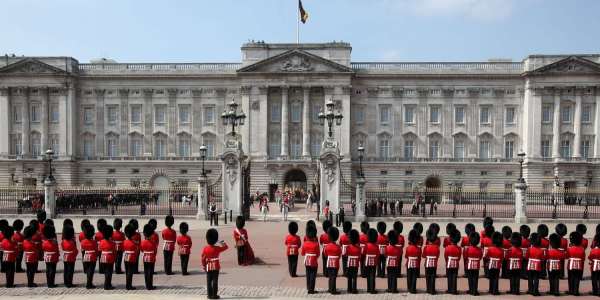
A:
<point x="114" y="123"/>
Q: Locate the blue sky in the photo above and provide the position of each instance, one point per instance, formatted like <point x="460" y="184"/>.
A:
<point x="379" y="30"/>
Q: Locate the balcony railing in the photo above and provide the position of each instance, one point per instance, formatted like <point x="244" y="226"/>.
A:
<point x="439" y="67"/>
<point x="158" y="68"/>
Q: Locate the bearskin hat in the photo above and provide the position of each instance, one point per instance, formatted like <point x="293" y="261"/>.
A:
<point x="326" y="225"/>
<point x="364" y="227"/>
<point x="107" y="232"/>
<point x="474" y="239"/>
<point x="561" y="229"/>
<point x="515" y="239"/>
<point x="597" y="240"/>
<point x="418" y="227"/>
<point x="542" y="230"/>
<point x="381" y="227"/>
<point x="489" y="230"/>
<point x="311" y="223"/>
<point x="129" y="231"/>
<point x="524" y="230"/>
<point x="8" y="231"/>
<point x="488" y="221"/>
<point x="84" y="223"/>
<point x="148" y="230"/>
<point x="372" y="235"/>
<point x="169" y="221"/>
<point x="49" y="222"/>
<point x="118" y="224"/>
<point x="455" y="237"/>
<point x="41" y="216"/>
<point x="435" y="228"/>
<point x="33" y="223"/>
<point x="212" y="236"/>
<point x="392" y="237"/>
<point x="293" y="227"/>
<point x="333" y="234"/>
<point x="450" y="227"/>
<point x="354" y="236"/>
<point x="184" y="227"/>
<point x="88" y="231"/>
<point x="134" y="223"/>
<point x="68" y="233"/>
<point x="581" y="228"/>
<point x="575" y="238"/>
<point x="28" y="232"/>
<point x="506" y="232"/>
<point x="67" y="222"/>
<point x="413" y="237"/>
<point x="153" y="223"/>
<point x="311" y="232"/>
<point x="49" y="232"/>
<point x="597" y="228"/>
<point x="469" y="228"/>
<point x="346" y="226"/>
<point x="535" y="240"/>
<point x="398" y="227"/>
<point x="18" y="225"/>
<point x="240" y="222"/>
<point x="497" y="239"/>
<point x="554" y="240"/>
<point x="431" y="235"/>
<point x="100" y="223"/>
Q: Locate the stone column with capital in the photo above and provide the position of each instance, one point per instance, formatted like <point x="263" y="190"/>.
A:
<point x="202" y="197"/>
<point x="597" y="124"/>
<point x="284" y="122"/>
<point x="44" y="118"/>
<point x="25" y="126"/>
<point x="306" y="124"/>
<point x="49" y="197"/>
<point x="556" y="127"/>
<point x="5" y="121"/>
<point x="172" y="123"/>
<point x="330" y="175"/>
<point x="532" y="137"/>
<point x="577" y="124"/>
<point x="263" y="120"/>
<point x="233" y="157"/>
<point x="344" y="129"/>
<point x="99" y="121"/>
<point x="520" y="203"/>
<point x="246" y="130"/>
<point x="361" y="197"/>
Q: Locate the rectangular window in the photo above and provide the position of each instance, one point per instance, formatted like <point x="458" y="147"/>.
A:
<point x="484" y="115"/>
<point x="88" y="115"/>
<point x="510" y="115"/>
<point x="296" y="112"/>
<point x="112" y="147"/>
<point x="384" y="148"/>
<point x="35" y="112"/>
<point x="586" y="147"/>
<point x="16" y="109"/>
<point x="88" y="148"/>
<point x="546" y="148"/>
<point x="565" y="114"/>
<point x="184" y="147"/>
<point x="209" y="115"/>
<point x="359" y="114"/>
<point x="136" y="147"/>
<point x="409" y="114"/>
<point x="36" y="145"/>
<point x="409" y="150"/>
<point x="184" y="113"/>
<point x="484" y="149"/>
<point x="509" y="147"/>
<point x="547" y="113"/>
<point x="434" y="114"/>
<point x="586" y="114"/>
<point x="54" y="113"/>
<point x="315" y="146"/>
<point x="275" y="112"/>
<point x="136" y="114"/>
<point x="54" y="143"/>
<point x="384" y="114"/>
<point x="160" y="147"/>
<point x="316" y="109"/>
<point x="112" y="114"/>
<point x="459" y="115"/>
<point x="160" y="114"/>
<point x="434" y="150"/>
<point x="459" y="150"/>
<point x="17" y="146"/>
<point x="210" y="148"/>
<point x="565" y="149"/>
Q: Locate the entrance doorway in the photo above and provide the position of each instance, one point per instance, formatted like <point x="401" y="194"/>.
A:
<point x="161" y="184"/>
<point x="295" y="182"/>
<point x="433" y="191"/>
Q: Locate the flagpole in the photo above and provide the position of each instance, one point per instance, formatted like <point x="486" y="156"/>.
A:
<point x="298" y="24"/>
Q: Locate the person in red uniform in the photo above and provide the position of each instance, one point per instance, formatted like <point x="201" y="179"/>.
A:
<point x="582" y="229"/>
<point x="575" y="258"/>
<point x="506" y="234"/>
<point x="3" y="224"/>
<point x="292" y="248"/>
<point x="81" y="237"/>
<point x="344" y="242"/>
<point x="561" y="230"/>
<point x="495" y="256"/>
<point x="515" y="259"/>
<point x="30" y="255"/>
<point x="594" y="259"/>
<point x="107" y="255"/>
<point x="323" y="241"/>
<point x="464" y="243"/>
<point x="130" y="250"/>
<point x="486" y="243"/>
<point x="9" y="255"/>
<point x="363" y="240"/>
<point x="99" y="237"/>
<point x="334" y="253"/>
<point x="70" y="252"/>
<point x="382" y="243"/>
<point x="311" y="251"/>
<point x="418" y="227"/>
<point x="148" y="249"/>
<point x="89" y="248"/>
<point x="534" y="256"/>
<point x="543" y="232"/>
<point x="450" y="227"/>
<point x="18" y="239"/>
<point x="310" y="223"/>
<point x="118" y="238"/>
<point x="37" y="241"/>
<point x="184" y="241"/>
<point x="473" y="256"/>
<point x="354" y="253"/>
<point x="210" y="262"/>
<point x="137" y="238"/>
<point x="398" y="227"/>
<point x="51" y="254"/>
<point x="245" y="253"/>
<point x="371" y="254"/>
<point x="393" y="254"/>
<point x="524" y="230"/>
<point x="452" y="254"/>
<point x="431" y="254"/>
<point x="435" y="228"/>
<point x="154" y="237"/>
<point x="169" y="237"/>
<point x="487" y="221"/>
<point x="413" y="261"/>
<point x="555" y="259"/>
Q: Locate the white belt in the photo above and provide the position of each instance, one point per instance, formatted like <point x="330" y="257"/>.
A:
<point x="107" y="252"/>
<point x="129" y="252"/>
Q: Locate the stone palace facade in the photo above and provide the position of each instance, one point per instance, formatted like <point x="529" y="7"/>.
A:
<point x="436" y="123"/>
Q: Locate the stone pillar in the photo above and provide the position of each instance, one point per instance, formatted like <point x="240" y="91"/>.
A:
<point x="306" y="124"/>
<point x="344" y="130"/>
<point x="172" y="123"/>
<point x="25" y="126"/>
<point x="284" y="122"/>
<point x="556" y="127"/>
<point x="5" y="121"/>
<point x="148" y="112"/>
<point x="532" y="104"/>
<point x="597" y="124"/>
<point x="64" y="125"/>
<point x="263" y="121"/>
<point x="577" y="124"/>
<point x="361" y="197"/>
<point x="124" y="122"/>
<point x="245" y="130"/>
<point x="44" y="119"/>
<point x="232" y="183"/>
<point x="521" y="203"/>
<point x="73" y="120"/>
<point x="49" y="197"/>
<point x="100" y="149"/>
<point x="330" y="175"/>
<point x="202" y="198"/>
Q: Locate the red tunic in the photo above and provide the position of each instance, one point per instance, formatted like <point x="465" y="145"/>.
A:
<point x="210" y="257"/>
<point x="51" y="252"/>
<point x="486" y="242"/>
<point x="130" y="250"/>
<point x="169" y="237"/>
<point x="564" y="244"/>
<point x="310" y="251"/>
<point x="371" y="254"/>
<point x="452" y="254"/>
<point x="184" y="242"/>
<point x="333" y="252"/>
<point x="382" y="242"/>
<point x="81" y="236"/>
<point x="353" y="253"/>
<point x="9" y="250"/>
<point x="89" y="248"/>
<point x="107" y="252"/>
<point x="30" y="252"/>
<point x="545" y="244"/>
<point x="436" y="242"/>
<point x="18" y="239"/>
<point x="240" y="236"/>
<point x="400" y="241"/>
<point x="464" y="242"/>
<point x="506" y="246"/>
<point x="473" y="255"/>
<point x="363" y="239"/>
<point x="594" y="259"/>
<point x="292" y="245"/>
<point x="555" y="259"/>
<point x="393" y="255"/>
<point x="525" y="244"/>
<point x="534" y="257"/>
<point x="37" y="240"/>
<point x="495" y="256"/>
<point x="575" y="258"/>
<point x="118" y="238"/>
<point x="431" y="254"/>
<point x="447" y="241"/>
<point x="344" y="242"/>
<point x="98" y="237"/>
<point x="155" y="240"/>
<point x="514" y="257"/>
<point x="413" y="256"/>
<point x="148" y="249"/>
<point x="69" y="248"/>
<point x="324" y="240"/>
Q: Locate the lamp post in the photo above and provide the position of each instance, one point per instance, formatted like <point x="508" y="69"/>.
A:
<point x="231" y="116"/>
<point x="361" y="153"/>
<point x="49" y="155"/>
<point x="203" y="158"/>
<point x="521" y="155"/>
<point x="330" y="116"/>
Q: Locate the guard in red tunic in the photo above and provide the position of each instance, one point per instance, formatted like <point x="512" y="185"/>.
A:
<point x="371" y="254"/>
<point x="37" y="241"/>
<point x="495" y="256"/>
<point x="84" y="223"/>
<point x="41" y="219"/>
<point x="311" y="251"/>
<point x="435" y="228"/>
<point x="535" y="256"/>
<point x="118" y="238"/>
<point x="3" y="224"/>
<point x="392" y="255"/>
<point x="89" y="246"/>
<point x="524" y="230"/>
<point x="169" y="237"/>
<point x="543" y="232"/>
<point x="107" y="256"/>
<point x="242" y="243"/>
<point x="473" y="256"/>
<point x="506" y="234"/>
<point x="148" y="249"/>
<point x="487" y="221"/>
<point x="344" y="242"/>
<point x="137" y="238"/>
<point x="594" y="259"/>
<point x="452" y="255"/>
<point x="154" y="237"/>
<point x="515" y="259"/>
<point x="555" y="259"/>
<point x="561" y="230"/>
<point x="9" y="255"/>
<point x="418" y="227"/>
<point x="353" y="252"/>
<point x="363" y="240"/>
<point x="575" y="259"/>
<point x="334" y="254"/>
<point x="465" y="243"/>
<point x="431" y="254"/>
<point x="70" y="252"/>
<point x="51" y="254"/>
<point x="486" y="243"/>
<point x="30" y="255"/>
<point x="210" y="262"/>
<point x="130" y="251"/>
<point x="382" y="243"/>
<point x="99" y="237"/>
<point x="18" y="239"/>
<point x="324" y="240"/>
<point x="292" y="248"/>
<point x="398" y="227"/>
<point x="184" y="242"/>
<point x="582" y="229"/>
<point x="413" y="261"/>
<point x="450" y="227"/>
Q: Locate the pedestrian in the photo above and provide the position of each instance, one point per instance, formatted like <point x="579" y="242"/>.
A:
<point x="542" y="231"/>
<point x="9" y="255"/>
<point x="344" y="242"/>
<point x="169" y="237"/>
<point x="333" y="252"/>
<point x="524" y="231"/>
<point x="413" y="261"/>
<point x="70" y="252"/>
<point x="50" y="247"/>
<point x="18" y="239"/>
<point x="535" y="256"/>
<point x="506" y="234"/>
<point x="382" y="243"/>
<point x="286" y="208"/>
<point x="326" y="211"/>
<point x="264" y="207"/>
<point x="148" y="249"/>
<point x="292" y="244"/>
<point x="210" y="262"/>
<point x="184" y="241"/>
<point x="107" y="255"/>
<point x="245" y="253"/>
<point x="310" y="251"/>
<point x="556" y="258"/>
<point x="515" y="259"/>
<point x="561" y="230"/>
<point x="130" y="251"/>
<point x="495" y="256"/>
<point x="594" y="258"/>
<point x="398" y="227"/>
<point x="473" y="256"/>
<point x="371" y="254"/>
<point x="30" y="255"/>
<point x="452" y="254"/>
<point x="363" y="240"/>
<point x="324" y="240"/>
<point x="575" y="259"/>
<point x="353" y="252"/>
<point x="118" y="238"/>
<point x="212" y="212"/>
<point x="392" y="255"/>
<point x="88" y="248"/>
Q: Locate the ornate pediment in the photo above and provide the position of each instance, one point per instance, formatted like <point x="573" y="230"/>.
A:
<point x="571" y="65"/>
<point x="30" y="66"/>
<point x="295" y="61"/>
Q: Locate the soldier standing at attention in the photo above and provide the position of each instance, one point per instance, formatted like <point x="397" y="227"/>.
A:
<point x="495" y="256"/>
<point x="535" y="256"/>
<point x="30" y="255"/>
<point x="69" y="247"/>
<point x="575" y="259"/>
<point x="473" y="256"/>
<point x="310" y="251"/>
<point x="333" y="252"/>
<point x="184" y="241"/>
<point x="371" y="253"/>
<point x="431" y="254"/>
<point x="137" y="238"/>
<point x="561" y="230"/>
<point x="594" y="259"/>
<point x="363" y="239"/>
<point x="393" y="253"/>
<point x="344" y="242"/>
<point x="398" y="227"/>
<point x="413" y="261"/>
<point x="130" y="251"/>
<point x="382" y="242"/>
<point x="169" y="237"/>
<point x="51" y="253"/>
<point x="452" y="254"/>
<point x="99" y="237"/>
<point x="18" y="239"/>
<point x="292" y="244"/>
<point x="324" y="240"/>
<point x="107" y="256"/>
<point x="9" y="255"/>
<point x="353" y="253"/>
<point x="210" y="262"/>
<point x="556" y="258"/>
<point x="118" y="238"/>
<point x="148" y="249"/>
<point x="89" y="248"/>
<point x="543" y="231"/>
<point x="515" y="259"/>
<point x="524" y="230"/>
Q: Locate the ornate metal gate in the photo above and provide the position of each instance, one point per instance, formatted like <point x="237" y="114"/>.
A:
<point x="347" y="196"/>
<point x="214" y="193"/>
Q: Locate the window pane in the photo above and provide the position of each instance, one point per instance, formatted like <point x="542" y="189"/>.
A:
<point x="459" y="150"/>
<point x="434" y="114"/>
<point x="409" y="114"/>
<point x="409" y="149"/>
<point x="566" y="114"/>
<point x="547" y="114"/>
<point x="484" y="115"/>
<point x="510" y="115"/>
<point x="586" y="114"/>
<point x="184" y="113"/>
<point x="384" y="114"/>
<point x="209" y="115"/>
<point x="296" y="112"/>
<point x="459" y="114"/>
<point x="54" y="113"/>
<point x="136" y="114"/>
<point x="160" y="114"/>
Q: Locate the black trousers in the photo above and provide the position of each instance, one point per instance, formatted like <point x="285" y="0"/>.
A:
<point x="324" y="258"/>
<point x="184" y="264"/>
<point x="89" y="269"/>
<point x="574" y="279"/>
<point x="363" y="273"/>
<point x="311" y="277"/>
<point x="212" y="284"/>
<point x="168" y="263"/>
<point x="240" y="255"/>
<point x="9" y="270"/>
<point x="533" y="282"/>
<point x="504" y="274"/>
<point x="136" y="266"/>
<point x="524" y="272"/>
<point x="371" y="274"/>
<point x="452" y="276"/>
<point x="554" y="280"/>
<point x="493" y="276"/>
<point x="544" y="273"/>
<point x="214" y="221"/>
<point x="119" y="262"/>
<point x="50" y="274"/>
<point x="129" y="275"/>
<point x="100" y="266"/>
<point x="344" y="264"/>
<point x="515" y="281"/>
<point x="381" y="266"/>
<point x="69" y="270"/>
<point x="332" y="274"/>
<point x="149" y="275"/>
<point x="596" y="283"/>
<point x="19" y="266"/>
<point x="292" y="264"/>
<point x="352" y="274"/>
<point x="430" y="275"/>
<point x="31" y="270"/>
<point x="473" y="279"/>
<point x="485" y="262"/>
<point x="411" y="279"/>
<point x="392" y="279"/>
<point x="108" y="272"/>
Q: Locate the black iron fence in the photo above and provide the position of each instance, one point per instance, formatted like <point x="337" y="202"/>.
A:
<point x="347" y="197"/>
<point x="21" y="199"/>
<point x="214" y="194"/>
<point x="563" y="203"/>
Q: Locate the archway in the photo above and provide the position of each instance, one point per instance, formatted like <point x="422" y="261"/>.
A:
<point x="161" y="184"/>
<point x="295" y="181"/>
<point x="433" y="192"/>
<point x="433" y="182"/>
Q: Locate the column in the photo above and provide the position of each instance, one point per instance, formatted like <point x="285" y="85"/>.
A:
<point x="597" y="124"/>
<point x="556" y="126"/>
<point x="64" y="123"/>
<point x="577" y="124"/>
<point x="245" y="129"/>
<point x="148" y="121"/>
<point x="532" y="106"/>
<point x="73" y="119"/>
<point x="100" y="122"/>
<point x="284" y="122"/>
<point x="172" y="123"/>
<point x="360" y="199"/>
<point x="5" y="121"/>
<point x="202" y="198"/>
<point x="306" y="124"/>
<point x="49" y="197"/>
<point x="344" y="130"/>
<point x="25" y="129"/>
<point x="263" y="119"/>
<point x="124" y="123"/>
